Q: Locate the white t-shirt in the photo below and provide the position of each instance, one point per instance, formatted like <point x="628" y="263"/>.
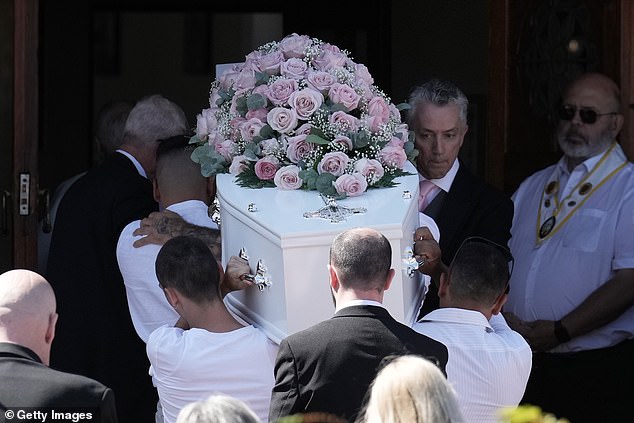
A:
<point x="489" y="363"/>
<point x="190" y="365"/>
<point x="148" y="307"/>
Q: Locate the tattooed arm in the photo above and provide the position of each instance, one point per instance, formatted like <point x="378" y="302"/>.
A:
<point x="159" y="227"/>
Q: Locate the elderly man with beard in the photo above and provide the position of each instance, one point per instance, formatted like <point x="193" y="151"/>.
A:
<point x="572" y="289"/>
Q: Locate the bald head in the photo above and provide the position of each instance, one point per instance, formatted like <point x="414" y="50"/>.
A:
<point x="601" y="85"/>
<point x="27" y="311"/>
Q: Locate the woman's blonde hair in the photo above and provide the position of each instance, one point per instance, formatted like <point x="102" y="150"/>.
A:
<point x="411" y="389"/>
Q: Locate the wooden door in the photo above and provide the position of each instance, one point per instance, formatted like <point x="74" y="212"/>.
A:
<point x="19" y="121"/>
<point x="535" y="46"/>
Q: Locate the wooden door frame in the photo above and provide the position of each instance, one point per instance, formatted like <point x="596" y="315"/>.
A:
<point x="498" y="120"/>
<point x="25" y="130"/>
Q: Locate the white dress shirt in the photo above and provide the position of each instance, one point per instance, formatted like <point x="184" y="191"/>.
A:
<point x="148" y="307"/>
<point x="552" y="279"/>
<point x="489" y="363"/>
<point x="190" y="365"/>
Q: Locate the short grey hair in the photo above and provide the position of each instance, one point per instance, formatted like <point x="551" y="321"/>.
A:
<point x="217" y="408"/>
<point x="439" y="93"/>
<point x="154" y="118"/>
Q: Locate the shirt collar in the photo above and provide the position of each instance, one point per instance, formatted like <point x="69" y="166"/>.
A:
<point x="135" y="162"/>
<point x="458" y="316"/>
<point x="445" y="182"/>
<point x="584" y="166"/>
<point x="357" y="303"/>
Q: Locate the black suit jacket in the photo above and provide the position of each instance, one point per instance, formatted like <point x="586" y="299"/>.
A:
<point x="472" y="207"/>
<point x="26" y="382"/>
<point x="330" y="366"/>
<point x="95" y="336"/>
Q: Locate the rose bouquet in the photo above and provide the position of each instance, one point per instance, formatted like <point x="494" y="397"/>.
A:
<point x="301" y="114"/>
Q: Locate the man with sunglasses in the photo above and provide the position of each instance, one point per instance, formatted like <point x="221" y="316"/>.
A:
<point x="489" y="363"/>
<point x="573" y="242"/>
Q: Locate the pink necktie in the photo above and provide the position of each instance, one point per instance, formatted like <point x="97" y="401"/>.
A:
<point x="425" y="193"/>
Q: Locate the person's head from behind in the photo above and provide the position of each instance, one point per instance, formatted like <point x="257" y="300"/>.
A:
<point x="478" y="277"/>
<point x="410" y="389"/>
<point x="360" y="262"/>
<point x="27" y="311"/>
<point x="152" y="119"/>
<point x="438" y="117"/>
<point x="217" y="409"/>
<point x="188" y="273"/>
<point x="178" y="177"/>
<point x="109" y="127"/>
<point x="589" y="116"/>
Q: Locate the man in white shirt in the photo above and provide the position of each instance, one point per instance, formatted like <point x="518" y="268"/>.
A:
<point x="489" y="363"/>
<point x="572" y="290"/>
<point x="207" y="351"/>
<point x="179" y="187"/>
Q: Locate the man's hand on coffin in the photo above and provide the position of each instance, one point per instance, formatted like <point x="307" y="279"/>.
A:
<point x="427" y="252"/>
<point x="234" y="278"/>
<point x="159" y="227"/>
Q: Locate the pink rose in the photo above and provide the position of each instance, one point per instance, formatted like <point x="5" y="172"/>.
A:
<point x="304" y="129"/>
<point x="205" y="123"/>
<point x="266" y="167"/>
<point x="362" y="74"/>
<point x="251" y="128"/>
<point x="270" y="62"/>
<point x="344" y="142"/>
<point x="294" y="45"/>
<point x="320" y="80"/>
<point x="305" y="102"/>
<point x="287" y="177"/>
<point x="371" y="169"/>
<point x="226" y="149"/>
<point x="344" y="121"/>
<point x="380" y="110"/>
<point x="282" y="120"/>
<point x="352" y="185"/>
<point x="402" y="133"/>
<point x="392" y="155"/>
<point x="245" y="79"/>
<point x="344" y="94"/>
<point x="294" y="68"/>
<point x="298" y="148"/>
<point x="281" y="89"/>
<point x="259" y="114"/>
<point x="331" y="57"/>
<point x="334" y="162"/>
<point x="238" y="164"/>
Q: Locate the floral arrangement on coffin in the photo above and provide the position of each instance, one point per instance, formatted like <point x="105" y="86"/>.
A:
<point x="301" y="114"/>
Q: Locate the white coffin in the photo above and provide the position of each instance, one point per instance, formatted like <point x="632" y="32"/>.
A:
<point x="295" y="250"/>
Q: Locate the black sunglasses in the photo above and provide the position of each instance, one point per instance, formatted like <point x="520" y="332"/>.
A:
<point x="588" y="116"/>
<point x="506" y="253"/>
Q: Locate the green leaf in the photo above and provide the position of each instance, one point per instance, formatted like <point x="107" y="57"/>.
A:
<point x="403" y="106"/>
<point x="241" y="105"/>
<point x="261" y="78"/>
<point x="324" y="184"/>
<point x="309" y="176"/>
<point x="267" y="132"/>
<point x="316" y="139"/>
<point x="255" y="101"/>
<point x="359" y="140"/>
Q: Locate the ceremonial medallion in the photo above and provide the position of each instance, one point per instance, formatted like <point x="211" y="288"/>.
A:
<point x="548" y="226"/>
<point x="551" y="187"/>
<point x="547" y="203"/>
<point x="585" y="188"/>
